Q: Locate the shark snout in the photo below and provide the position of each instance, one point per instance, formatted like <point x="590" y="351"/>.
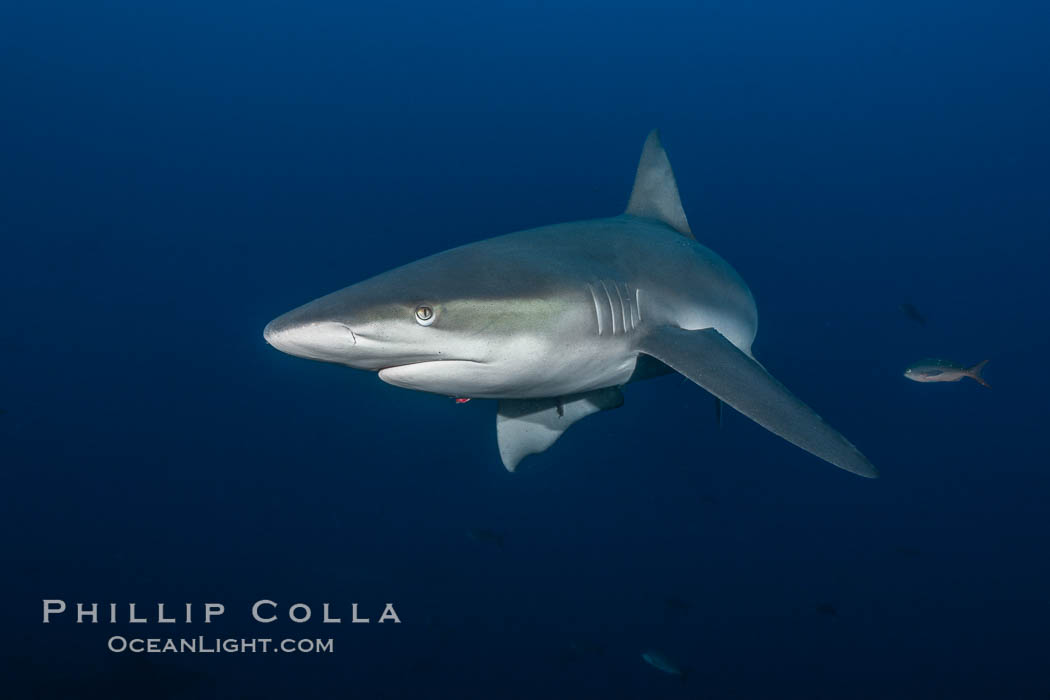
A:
<point x="319" y="340"/>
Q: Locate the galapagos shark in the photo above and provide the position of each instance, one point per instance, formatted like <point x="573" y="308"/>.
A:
<point x="553" y="321"/>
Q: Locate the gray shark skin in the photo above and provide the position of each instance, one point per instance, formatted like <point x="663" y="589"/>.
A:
<point x="554" y="321"/>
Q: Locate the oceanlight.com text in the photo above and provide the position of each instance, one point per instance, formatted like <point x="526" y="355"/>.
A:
<point x="218" y="645"/>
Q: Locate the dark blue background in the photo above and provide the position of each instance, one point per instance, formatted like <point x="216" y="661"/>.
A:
<point x="173" y="176"/>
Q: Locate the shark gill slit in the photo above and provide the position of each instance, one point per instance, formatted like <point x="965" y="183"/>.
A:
<point x="628" y="312"/>
<point x="623" y="307"/>
<point x="597" y="309"/>
<point x="612" y="308"/>
<point x="638" y="302"/>
<point x="631" y="314"/>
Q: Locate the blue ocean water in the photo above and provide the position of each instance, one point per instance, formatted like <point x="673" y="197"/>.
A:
<point x="177" y="174"/>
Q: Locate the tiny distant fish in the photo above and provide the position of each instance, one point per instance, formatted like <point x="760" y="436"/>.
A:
<point x="486" y="536"/>
<point x="931" y="370"/>
<point x="827" y="609"/>
<point x="661" y="662"/>
<point x="913" y="313"/>
<point x="462" y="400"/>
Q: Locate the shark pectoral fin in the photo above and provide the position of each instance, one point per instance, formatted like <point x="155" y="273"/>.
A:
<point x="707" y="358"/>
<point x="528" y="426"/>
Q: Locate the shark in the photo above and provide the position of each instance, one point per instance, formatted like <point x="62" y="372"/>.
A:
<point x="553" y="322"/>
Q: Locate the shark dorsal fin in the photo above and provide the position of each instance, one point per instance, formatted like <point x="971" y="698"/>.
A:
<point x="655" y="193"/>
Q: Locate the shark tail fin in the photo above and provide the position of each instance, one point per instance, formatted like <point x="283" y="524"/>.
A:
<point x="975" y="373"/>
<point x="655" y="193"/>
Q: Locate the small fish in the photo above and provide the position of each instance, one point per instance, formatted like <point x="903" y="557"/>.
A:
<point x="484" y="535"/>
<point x="913" y="313"/>
<point x="661" y="662"/>
<point x="462" y="400"/>
<point x="931" y="370"/>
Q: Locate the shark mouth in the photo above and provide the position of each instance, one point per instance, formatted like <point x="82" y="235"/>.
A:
<point x="449" y="377"/>
<point x="426" y="365"/>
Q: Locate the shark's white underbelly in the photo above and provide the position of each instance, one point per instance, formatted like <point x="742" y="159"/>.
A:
<point x="527" y="368"/>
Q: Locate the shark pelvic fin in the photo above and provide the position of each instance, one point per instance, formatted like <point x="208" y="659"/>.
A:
<point x="528" y="426"/>
<point x="655" y="193"/>
<point x="707" y="358"/>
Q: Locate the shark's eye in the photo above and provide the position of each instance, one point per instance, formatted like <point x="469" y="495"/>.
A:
<point x="424" y="315"/>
